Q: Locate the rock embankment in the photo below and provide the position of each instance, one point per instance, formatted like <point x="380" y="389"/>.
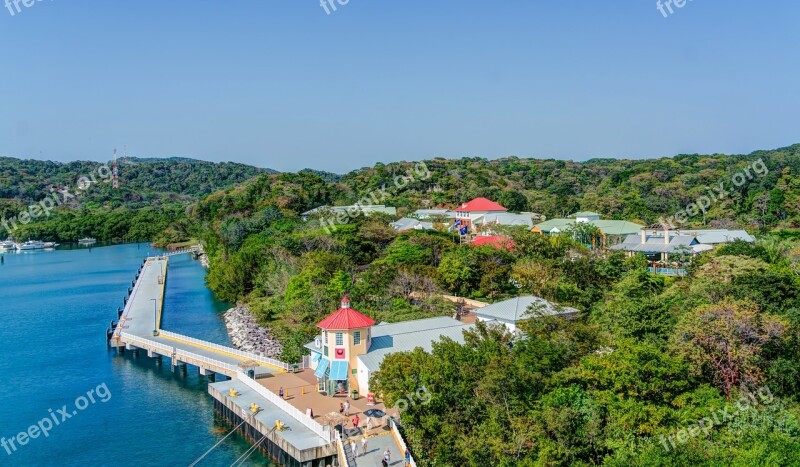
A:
<point x="203" y="257"/>
<point x="247" y="335"/>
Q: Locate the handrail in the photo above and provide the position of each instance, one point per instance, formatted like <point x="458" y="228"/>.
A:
<point x="304" y="419"/>
<point x="128" y="304"/>
<point x="230" y="350"/>
<point x="169" y="350"/>
<point x="343" y="461"/>
<point x="401" y="441"/>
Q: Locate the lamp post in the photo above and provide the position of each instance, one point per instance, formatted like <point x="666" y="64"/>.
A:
<point x="155" y="316"/>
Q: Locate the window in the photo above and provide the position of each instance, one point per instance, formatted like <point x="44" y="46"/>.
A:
<point x="339" y="338"/>
<point x="325" y="349"/>
<point x="326" y="337"/>
<point x="356" y="337"/>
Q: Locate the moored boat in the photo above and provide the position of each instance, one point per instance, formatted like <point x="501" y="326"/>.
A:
<point x="30" y="245"/>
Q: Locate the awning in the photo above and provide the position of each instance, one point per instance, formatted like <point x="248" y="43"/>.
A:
<point x="339" y="370"/>
<point x="322" y="368"/>
<point x="315" y="356"/>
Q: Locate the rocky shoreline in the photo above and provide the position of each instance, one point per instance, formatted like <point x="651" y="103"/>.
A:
<point x="203" y="257"/>
<point x="247" y="335"/>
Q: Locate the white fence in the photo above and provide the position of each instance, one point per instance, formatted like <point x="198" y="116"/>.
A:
<point x="182" y="355"/>
<point x="321" y="430"/>
<point x="343" y="461"/>
<point x="401" y="441"/>
<point x="230" y="350"/>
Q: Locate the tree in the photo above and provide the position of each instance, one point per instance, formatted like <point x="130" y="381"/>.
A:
<point x="725" y="341"/>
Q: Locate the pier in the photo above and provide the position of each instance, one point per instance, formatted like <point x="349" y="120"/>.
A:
<point x="285" y="429"/>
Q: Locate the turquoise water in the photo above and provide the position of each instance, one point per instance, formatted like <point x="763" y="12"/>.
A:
<point x="54" y="310"/>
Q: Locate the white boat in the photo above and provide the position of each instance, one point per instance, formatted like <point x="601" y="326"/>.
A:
<point x="50" y="244"/>
<point x="30" y="245"/>
<point x="87" y="241"/>
<point x="8" y="245"/>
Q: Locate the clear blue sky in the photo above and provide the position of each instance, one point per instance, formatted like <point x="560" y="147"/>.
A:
<point x="281" y="84"/>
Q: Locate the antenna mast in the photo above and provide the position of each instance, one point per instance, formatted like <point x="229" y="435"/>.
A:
<point x="115" y="172"/>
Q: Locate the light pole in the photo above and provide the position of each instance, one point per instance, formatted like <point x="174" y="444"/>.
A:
<point x="155" y="316"/>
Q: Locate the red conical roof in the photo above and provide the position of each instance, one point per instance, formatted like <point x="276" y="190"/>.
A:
<point x="345" y="318"/>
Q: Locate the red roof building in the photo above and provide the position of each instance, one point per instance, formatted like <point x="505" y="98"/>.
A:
<point x="481" y="205"/>
<point x="345" y="318"/>
<point x="497" y="241"/>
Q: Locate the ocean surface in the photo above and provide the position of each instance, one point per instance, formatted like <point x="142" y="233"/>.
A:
<point x="121" y="410"/>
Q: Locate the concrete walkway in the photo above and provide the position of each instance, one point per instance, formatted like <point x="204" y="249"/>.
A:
<point x="142" y="315"/>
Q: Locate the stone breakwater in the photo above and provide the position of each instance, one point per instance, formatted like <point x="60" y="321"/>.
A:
<point x="203" y="257"/>
<point x="247" y="335"/>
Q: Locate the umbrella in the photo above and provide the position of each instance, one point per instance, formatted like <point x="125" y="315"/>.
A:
<point x="375" y="413"/>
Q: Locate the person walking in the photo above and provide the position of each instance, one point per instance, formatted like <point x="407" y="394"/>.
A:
<point x="346" y="408"/>
<point x="354" y="448"/>
<point x="407" y="458"/>
<point x="387" y="456"/>
<point x="355" y="421"/>
<point x="364" y="446"/>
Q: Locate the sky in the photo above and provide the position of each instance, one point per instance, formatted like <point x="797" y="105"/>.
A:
<point x="286" y="85"/>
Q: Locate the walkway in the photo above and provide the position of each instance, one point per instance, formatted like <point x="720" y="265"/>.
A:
<point x="142" y="316"/>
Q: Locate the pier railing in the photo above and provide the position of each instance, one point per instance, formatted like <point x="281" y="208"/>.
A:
<point x="400" y="441"/>
<point x="229" y="350"/>
<point x="321" y="430"/>
<point x="343" y="460"/>
<point x="182" y="355"/>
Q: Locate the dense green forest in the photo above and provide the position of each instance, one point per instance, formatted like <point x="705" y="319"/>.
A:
<point x="631" y="381"/>
<point x="648" y="357"/>
<point x="153" y="194"/>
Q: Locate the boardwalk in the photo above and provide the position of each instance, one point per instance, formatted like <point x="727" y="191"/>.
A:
<point x="305" y="442"/>
<point x="142" y="316"/>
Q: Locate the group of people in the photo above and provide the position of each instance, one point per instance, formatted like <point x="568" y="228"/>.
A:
<point x="387" y="455"/>
<point x="344" y="409"/>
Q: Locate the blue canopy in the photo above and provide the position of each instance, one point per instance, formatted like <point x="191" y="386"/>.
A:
<point x="322" y="367"/>
<point x="339" y="370"/>
<point x="315" y="356"/>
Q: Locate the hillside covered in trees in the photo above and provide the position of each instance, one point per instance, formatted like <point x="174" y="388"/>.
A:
<point x="649" y="356"/>
<point x="152" y="194"/>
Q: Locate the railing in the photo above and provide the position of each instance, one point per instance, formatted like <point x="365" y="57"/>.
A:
<point x="230" y="350"/>
<point x="343" y="460"/>
<point x="304" y="419"/>
<point x="399" y="438"/>
<point x="186" y="357"/>
<point x="128" y="304"/>
<point x="668" y="271"/>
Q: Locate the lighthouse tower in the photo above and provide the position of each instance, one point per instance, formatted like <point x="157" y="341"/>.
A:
<point x="344" y="335"/>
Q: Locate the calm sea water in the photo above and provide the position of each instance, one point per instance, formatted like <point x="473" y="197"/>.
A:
<point x="54" y="310"/>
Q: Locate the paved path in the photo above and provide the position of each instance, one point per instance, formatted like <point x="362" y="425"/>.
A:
<point x="142" y="315"/>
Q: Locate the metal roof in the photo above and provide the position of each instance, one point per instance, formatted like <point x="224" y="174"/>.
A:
<point x="345" y="318"/>
<point x="506" y="218"/>
<point x="608" y="227"/>
<point x="406" y="223"/>
<point x="656" y="244"/>
<point x="520" y="308"/>
<point x="480" y="204"/>
<point x="408" y="335"/>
